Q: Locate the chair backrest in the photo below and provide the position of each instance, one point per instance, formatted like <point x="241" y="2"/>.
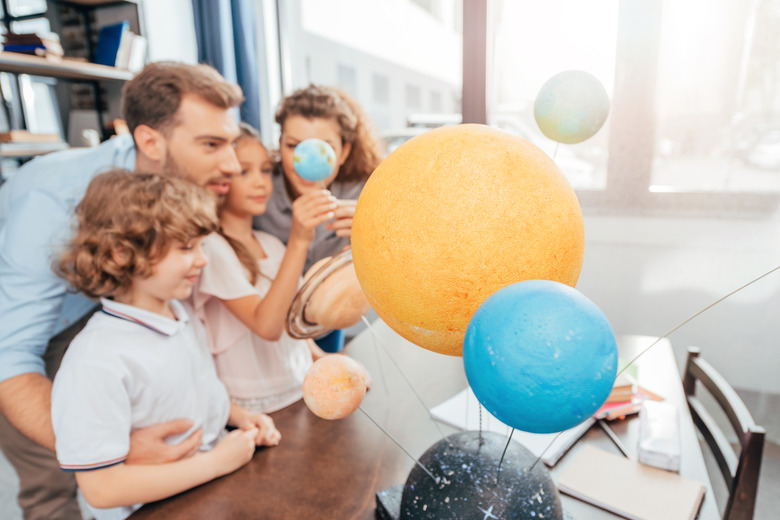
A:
<point x="741" y="470"/>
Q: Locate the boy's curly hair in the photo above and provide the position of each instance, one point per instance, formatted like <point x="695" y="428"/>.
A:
<point x="126" y="223"/>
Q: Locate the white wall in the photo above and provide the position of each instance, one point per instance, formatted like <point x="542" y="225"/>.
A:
<point x="648" y="275"/>
<point x="170" y="30"/>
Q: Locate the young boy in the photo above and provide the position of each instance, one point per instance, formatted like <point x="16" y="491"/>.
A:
<point x="142" y="360"/>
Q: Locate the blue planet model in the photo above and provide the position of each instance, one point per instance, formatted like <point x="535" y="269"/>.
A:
<point x="314" y="159"/>
<point x="540" y="356"/>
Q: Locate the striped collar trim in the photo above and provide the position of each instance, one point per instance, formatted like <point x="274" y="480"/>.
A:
<point x="152" y="321"/>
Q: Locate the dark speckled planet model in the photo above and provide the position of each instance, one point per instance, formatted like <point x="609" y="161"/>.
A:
<point x="468" y="484"/>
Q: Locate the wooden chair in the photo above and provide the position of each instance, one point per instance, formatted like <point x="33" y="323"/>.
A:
<point x="740" y="470"/>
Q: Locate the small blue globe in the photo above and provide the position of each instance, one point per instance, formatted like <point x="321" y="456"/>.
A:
<point x="540" y="356"/>
<point x="314" y="159"/>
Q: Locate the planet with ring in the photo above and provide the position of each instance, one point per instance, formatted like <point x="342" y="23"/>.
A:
<point x="330" y="298"/>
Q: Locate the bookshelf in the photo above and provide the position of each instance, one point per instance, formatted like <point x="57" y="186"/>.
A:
<point x="65" y="68"/>
<point x="61" y="69"/>
<point x="70" y="88"/>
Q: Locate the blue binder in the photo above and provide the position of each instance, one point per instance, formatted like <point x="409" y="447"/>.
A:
<point x="109" y="40"/>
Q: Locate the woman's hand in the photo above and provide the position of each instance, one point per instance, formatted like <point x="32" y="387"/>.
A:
<point x="309" y="211"/>
<point x="343" y="215"/>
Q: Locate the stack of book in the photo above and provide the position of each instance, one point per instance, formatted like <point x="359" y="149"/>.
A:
<point x="623" y="390"/>
<point x="626" y="396"/>
<point x="39" y="44"/>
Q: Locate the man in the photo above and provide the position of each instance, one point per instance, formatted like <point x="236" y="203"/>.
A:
<point x="182" y="122"/>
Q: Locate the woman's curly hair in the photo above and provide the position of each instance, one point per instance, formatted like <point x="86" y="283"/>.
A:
<point x="126" y="223"/>
<point x="317" y="101"/>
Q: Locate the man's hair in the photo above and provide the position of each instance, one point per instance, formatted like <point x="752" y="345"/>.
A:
<point x="153" y="96"/>
<point x="126" y="223"/>
<point x="322" y="102"/>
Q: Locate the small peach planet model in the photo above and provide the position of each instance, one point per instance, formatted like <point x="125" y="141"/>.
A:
<point x="334" y="387"/>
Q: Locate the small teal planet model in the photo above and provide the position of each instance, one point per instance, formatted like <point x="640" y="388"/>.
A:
<point x="540" y="356"/>
<point x="314" y="159"/>
<point x="571" y="107"/>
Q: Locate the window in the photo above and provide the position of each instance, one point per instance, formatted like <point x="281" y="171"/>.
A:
<point x="389" y="66"/>
<point x="346" y="78"/>
<point x="413" y="98"/>
<point x="435" y="101"/>
<point x="381" y="89"/>
<point x="533" y="41"/>
<point x="718" y="97"/>
<point x="694" y="123"/>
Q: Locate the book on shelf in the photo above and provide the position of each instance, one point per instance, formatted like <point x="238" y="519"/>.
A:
<point x="628" y="488"/>
<point x="462" y="411"/>
<point x="119" y="47"/>
<point x="38" y="44"/>
<point x="136" y="56"/>
<point x="109" y="42"/>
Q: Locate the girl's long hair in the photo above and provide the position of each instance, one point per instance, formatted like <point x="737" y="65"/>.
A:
<point x="243" y="254"/>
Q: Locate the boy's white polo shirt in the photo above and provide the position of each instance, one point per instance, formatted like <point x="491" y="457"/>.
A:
<point x="127" y="369"/>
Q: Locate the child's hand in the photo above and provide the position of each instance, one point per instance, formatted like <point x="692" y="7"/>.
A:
<point x="309" y="211"/>
<point x="343" y="215"/>
<point x="267" y="434"/>
<point x="234" y="450"/>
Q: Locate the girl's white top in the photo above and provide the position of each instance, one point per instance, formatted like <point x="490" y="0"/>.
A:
<point x="260" y="375"/>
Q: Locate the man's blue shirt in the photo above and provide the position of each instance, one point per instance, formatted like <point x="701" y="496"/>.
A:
<point x="36" y="220"/>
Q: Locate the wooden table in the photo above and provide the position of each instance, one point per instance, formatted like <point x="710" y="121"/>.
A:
<point x="333" y="469"/>
<point x="658" y="372"/>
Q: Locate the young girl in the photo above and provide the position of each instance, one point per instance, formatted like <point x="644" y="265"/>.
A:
<point x="250" y="282"/>
<point x="142" y="360"/>
<point x="328" y="114"/>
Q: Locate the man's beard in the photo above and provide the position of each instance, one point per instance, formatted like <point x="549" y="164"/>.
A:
<point x="172" y="168"/>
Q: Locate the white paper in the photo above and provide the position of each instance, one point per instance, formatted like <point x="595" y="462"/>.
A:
<point x="462" y="411"/>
